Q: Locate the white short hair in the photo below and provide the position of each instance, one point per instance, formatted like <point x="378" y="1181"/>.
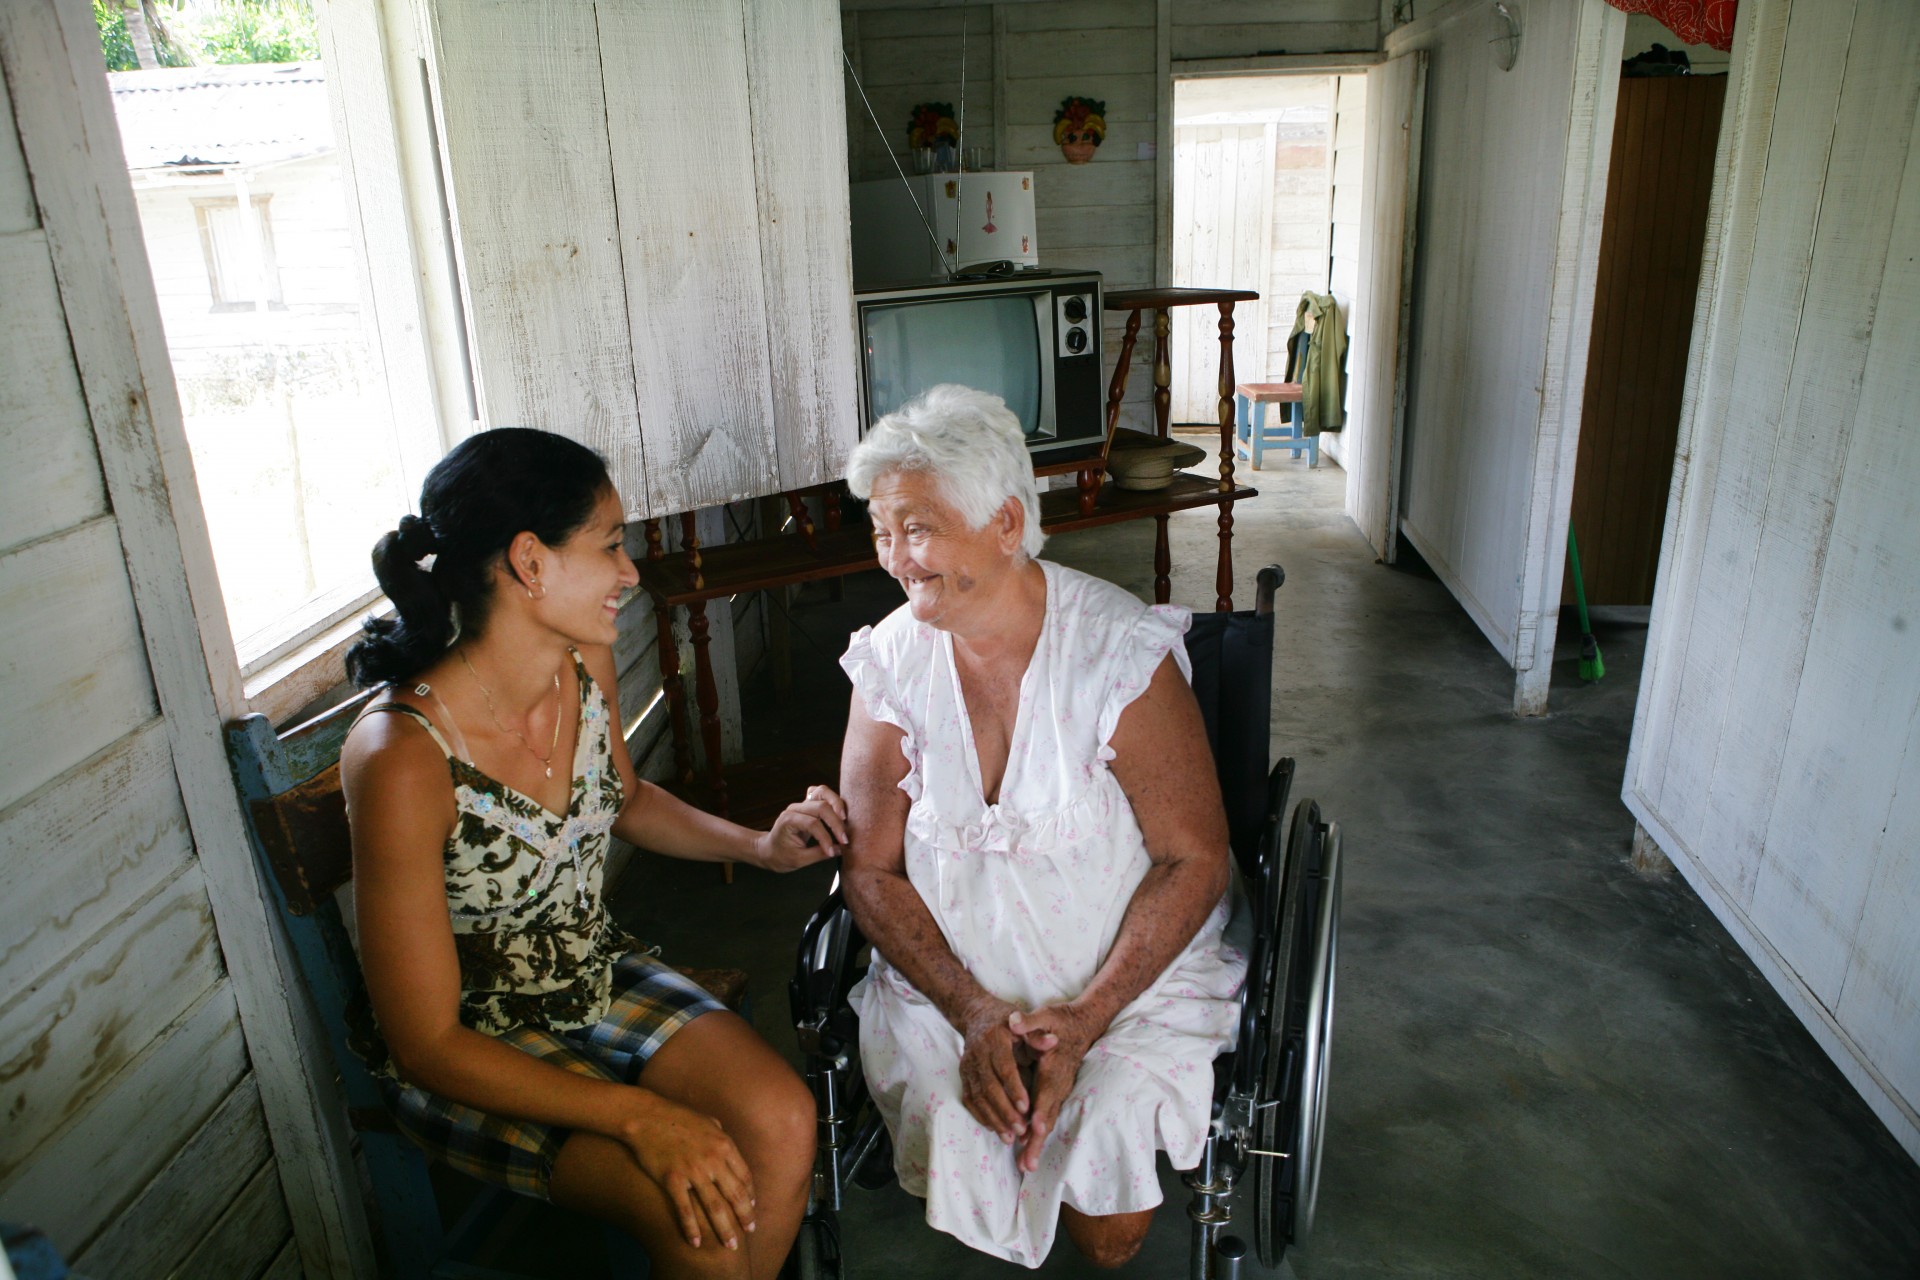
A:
<point x="969" y="442"/>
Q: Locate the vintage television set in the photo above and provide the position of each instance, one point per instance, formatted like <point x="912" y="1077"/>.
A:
<point x="1030" y="337"/>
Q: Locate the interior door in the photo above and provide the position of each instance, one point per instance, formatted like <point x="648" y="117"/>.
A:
<point x="1382" y="309"/>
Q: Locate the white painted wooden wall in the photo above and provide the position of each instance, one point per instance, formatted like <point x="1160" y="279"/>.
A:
<point x="158" y="1116"/>
<point x="652" y="239"/>
<point x="1511" y="193"/>
<point x="1776" y="749"/>
<point x="1023" y="58"/>
<point x="1379" y="359"/>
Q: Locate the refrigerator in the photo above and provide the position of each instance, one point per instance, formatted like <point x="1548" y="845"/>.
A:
<point x="976" y="218"/>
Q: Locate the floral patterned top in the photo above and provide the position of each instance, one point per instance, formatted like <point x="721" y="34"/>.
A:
<point x="524" y="889"/>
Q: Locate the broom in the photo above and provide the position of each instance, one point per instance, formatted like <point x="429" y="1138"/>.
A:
<point x="1592" y="668"/>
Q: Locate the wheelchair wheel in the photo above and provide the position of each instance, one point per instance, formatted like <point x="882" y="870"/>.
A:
<point x="1299" y="1013"/>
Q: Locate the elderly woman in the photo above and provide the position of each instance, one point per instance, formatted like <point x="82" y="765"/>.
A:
<point x="1037" y="851"/>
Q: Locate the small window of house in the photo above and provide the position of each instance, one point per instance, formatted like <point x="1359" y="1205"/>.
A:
<point x="241" y="271"/>
<point x="259" y="264"/>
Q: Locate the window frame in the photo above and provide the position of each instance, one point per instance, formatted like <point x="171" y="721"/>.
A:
<point x="372" y="50"/>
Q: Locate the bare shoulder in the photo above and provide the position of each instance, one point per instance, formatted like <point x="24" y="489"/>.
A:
<point x="389" y="753"/>
<point x="1162" y="724"/>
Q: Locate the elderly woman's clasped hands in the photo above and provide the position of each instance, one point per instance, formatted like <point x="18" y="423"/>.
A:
<point x="1018" y="1067"/>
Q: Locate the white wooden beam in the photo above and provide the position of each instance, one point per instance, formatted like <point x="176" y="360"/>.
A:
<point x="1563" y="377"/>
<point x="50" y="53"/>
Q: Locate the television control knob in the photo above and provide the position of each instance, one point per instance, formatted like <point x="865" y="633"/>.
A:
<point x="1075" y="309"/>
<point x="1076" y="340"/>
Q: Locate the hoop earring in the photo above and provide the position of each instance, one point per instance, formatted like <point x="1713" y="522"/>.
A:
<point x="531" y="585"/>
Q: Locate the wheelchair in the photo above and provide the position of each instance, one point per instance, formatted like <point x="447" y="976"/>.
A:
<point x="1270" y="1091"/>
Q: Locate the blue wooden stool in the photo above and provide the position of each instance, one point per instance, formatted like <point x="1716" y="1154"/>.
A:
<point x="1250" y="421"/>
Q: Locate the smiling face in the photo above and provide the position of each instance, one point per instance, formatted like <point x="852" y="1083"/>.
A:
<point x="950" y="572"/>
<point x="588" y="575"/>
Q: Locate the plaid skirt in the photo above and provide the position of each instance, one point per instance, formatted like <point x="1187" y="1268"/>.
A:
<point x="650" y="1003"/>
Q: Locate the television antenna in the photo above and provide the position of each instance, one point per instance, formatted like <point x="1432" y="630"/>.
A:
<point x="950" y="262"/>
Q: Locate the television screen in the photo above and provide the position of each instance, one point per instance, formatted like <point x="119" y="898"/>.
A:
<point x="990" y="343"/>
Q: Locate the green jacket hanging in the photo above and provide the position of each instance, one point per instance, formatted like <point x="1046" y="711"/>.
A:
<point x="1323" y="383"/>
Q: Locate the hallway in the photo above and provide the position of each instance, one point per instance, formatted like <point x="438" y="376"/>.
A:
<point x="1544" y="1064"/>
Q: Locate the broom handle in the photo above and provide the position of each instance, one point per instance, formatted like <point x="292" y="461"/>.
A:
<point x="1579" y="585"/>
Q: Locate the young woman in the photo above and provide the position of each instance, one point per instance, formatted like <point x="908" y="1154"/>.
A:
<point x="523" y="1036"/>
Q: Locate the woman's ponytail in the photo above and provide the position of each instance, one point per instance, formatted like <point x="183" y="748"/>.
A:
<point x="488" y="490"/>
<point x="392" y="649"/>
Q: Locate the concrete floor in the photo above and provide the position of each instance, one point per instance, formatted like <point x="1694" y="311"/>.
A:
<point x="1543" y="1063"/>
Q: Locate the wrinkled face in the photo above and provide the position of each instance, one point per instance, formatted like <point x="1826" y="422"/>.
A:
<point x="588" y="574"/>
<point x="949" y="571"/>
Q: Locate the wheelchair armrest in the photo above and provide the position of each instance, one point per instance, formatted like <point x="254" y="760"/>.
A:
<point x="825" y="969"/>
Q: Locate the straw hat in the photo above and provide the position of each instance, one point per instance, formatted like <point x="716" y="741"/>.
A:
<point x="1138" y="460"/>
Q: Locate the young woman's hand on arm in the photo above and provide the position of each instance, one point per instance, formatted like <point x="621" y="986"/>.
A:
<point x="401" y="800"/>
<point x="806" y="832"/>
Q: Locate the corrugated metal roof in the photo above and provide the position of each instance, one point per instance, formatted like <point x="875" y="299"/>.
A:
<point x="223" y="116"/>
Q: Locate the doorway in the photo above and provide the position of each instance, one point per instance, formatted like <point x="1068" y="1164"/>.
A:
<point x="1659" y="179"/>
<point x="1260" y="183"/>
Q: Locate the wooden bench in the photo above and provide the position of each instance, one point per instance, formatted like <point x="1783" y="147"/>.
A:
<point x="290" y="783"/>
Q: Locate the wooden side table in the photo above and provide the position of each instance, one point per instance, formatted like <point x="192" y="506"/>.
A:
<point x="1161" y="302"/>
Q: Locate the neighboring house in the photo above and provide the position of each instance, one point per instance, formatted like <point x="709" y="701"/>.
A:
<point x="239" y="188"/>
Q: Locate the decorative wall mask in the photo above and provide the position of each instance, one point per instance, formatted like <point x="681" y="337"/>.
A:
<point x="1079" y="126"/>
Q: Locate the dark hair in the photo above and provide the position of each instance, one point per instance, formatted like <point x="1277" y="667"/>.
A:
<point x="491" y="488"/>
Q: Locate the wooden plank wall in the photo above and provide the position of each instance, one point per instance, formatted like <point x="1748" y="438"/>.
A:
<point x="134" y="1132"/>
<point x="1664" y="133"/>
<point x="645" y="287"/>
<point x="1505" y="168"/>
<point x="1776" y="747"/>
<point x="1097" y="216"/>
<point x="1379" y="357"/>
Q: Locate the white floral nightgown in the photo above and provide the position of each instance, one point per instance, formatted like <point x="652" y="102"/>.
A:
<point x="1029" y="893"/>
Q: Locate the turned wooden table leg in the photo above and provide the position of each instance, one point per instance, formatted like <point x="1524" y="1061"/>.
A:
<point x="667" y="654"/>
<point x="1163" y="371"/>
<point x="1162" y="562"/>
<point x="1223" y="575"/>
<point x="1117" y="387"/>
<point x="707" y="696"/>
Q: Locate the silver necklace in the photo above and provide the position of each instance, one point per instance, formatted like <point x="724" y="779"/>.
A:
<point x="547" y="759"/>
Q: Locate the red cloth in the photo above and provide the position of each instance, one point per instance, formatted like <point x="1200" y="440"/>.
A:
<point x="1707" y="22"/>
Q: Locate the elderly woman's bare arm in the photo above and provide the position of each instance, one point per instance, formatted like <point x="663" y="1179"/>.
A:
<point x="890" y="911"/>
<point x="1162" y="762"/>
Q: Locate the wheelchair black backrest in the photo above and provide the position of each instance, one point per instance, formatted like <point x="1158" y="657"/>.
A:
<point x="1232" y="657"/>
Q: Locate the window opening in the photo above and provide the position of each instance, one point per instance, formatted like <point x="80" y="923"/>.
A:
<point x="242" y="191"/>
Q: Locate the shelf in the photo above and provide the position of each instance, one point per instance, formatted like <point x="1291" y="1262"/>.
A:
<point x="1138" y="299"/>
<point x="1060" y="509"/>
<point x="762" y="562"/>
<point x="781" y="561"/>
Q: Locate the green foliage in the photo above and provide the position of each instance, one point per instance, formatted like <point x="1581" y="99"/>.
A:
<point x="114" y="40"/>
<point x="253" y="31"/>
<point x="212" y="31"/>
